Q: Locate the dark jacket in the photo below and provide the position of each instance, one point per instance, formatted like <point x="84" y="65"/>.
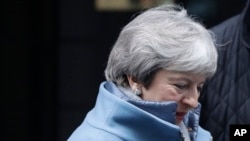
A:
<point x="225" y="98"/>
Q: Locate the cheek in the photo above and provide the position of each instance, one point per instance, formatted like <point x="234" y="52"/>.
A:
<point x="168" y="93"/>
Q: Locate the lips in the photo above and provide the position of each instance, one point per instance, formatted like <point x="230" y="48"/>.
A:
<point x="180" y="115"/>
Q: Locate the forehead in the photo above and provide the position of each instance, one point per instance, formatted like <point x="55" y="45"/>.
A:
<point x="177" y="76"/>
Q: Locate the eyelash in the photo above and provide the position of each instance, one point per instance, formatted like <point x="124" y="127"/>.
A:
<point x="181" y="87"/>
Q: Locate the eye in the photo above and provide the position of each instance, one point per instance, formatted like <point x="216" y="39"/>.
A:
<point x="181" y="86"/>
<point x="199" y="89"/>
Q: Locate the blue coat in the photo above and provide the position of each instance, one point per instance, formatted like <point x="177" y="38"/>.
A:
<point x="117" y="118"/>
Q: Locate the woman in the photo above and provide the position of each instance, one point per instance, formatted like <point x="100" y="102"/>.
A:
<point x="154" y="74"/>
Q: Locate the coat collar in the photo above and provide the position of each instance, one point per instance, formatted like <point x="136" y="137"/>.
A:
<point x="165" y="111"/>
<point x="245" y="17"/>
<point x="112" y="114"/>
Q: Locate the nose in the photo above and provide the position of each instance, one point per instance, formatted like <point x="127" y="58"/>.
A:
<point x="190" y="102"/>
<point x="191" y="99"/>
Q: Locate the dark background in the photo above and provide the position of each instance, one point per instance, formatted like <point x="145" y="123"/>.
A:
<point x="53" y="55"/>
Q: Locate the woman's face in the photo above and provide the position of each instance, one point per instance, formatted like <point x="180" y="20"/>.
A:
<point x="184" y="88"/>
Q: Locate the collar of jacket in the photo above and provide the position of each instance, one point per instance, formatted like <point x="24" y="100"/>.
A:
<point x="245" y="19"/>
<point x="163" y="110"/>
<point x="127" y="121"/>
<point x="114" y="113"/>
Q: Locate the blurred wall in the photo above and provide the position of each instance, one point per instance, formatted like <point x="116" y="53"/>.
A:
<point x="28" y="68"/>
<point x="86" y="37"/>
<point x="53" y="57"/>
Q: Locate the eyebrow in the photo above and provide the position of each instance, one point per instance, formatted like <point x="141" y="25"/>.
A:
<point x="173" y="78"/>
<point x="181" y="78"/>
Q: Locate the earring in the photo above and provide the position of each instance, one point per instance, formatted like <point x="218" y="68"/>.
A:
<point x="137" y="92"/>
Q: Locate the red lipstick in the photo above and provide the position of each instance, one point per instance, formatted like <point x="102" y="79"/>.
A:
<point x="180" y="115"/>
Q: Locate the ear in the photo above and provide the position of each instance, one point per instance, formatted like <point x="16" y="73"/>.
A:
<point x="133" y="83"/>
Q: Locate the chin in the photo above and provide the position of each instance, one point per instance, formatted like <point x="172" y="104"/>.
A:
<point x="177" y="122"/>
